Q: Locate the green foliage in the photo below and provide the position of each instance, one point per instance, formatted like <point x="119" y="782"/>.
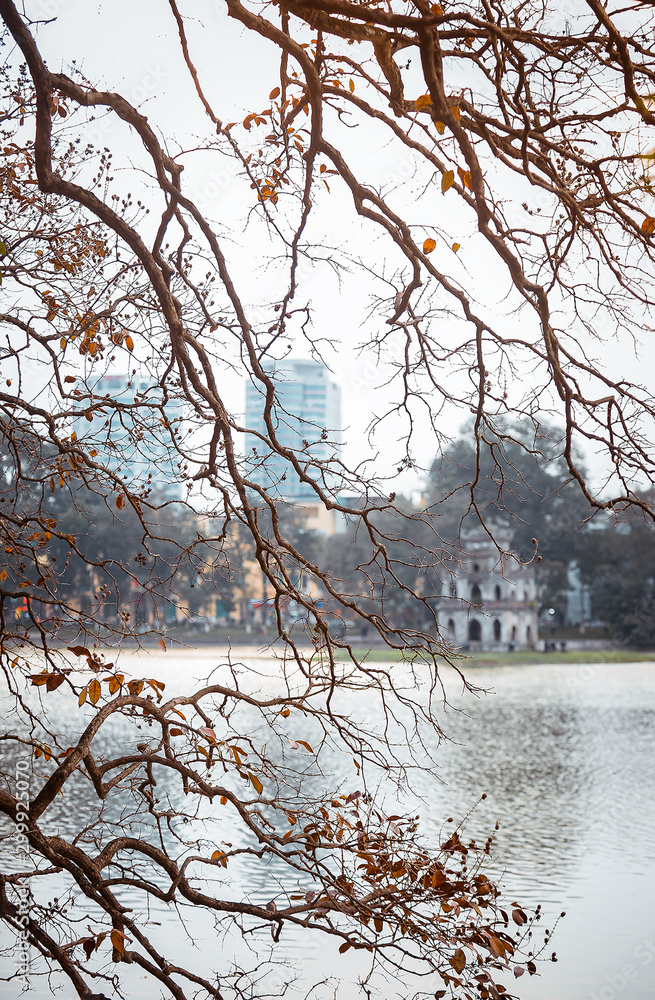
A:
<point x="616" y="561"/>
<point x="523" y="484"/>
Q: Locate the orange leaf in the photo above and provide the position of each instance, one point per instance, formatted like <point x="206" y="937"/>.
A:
<point x="162" y="645"/>
<point x="256" y="783"/>
<point x="465" y="178"/>
<point x="458" y="961"/>
<point x="429" y="245"/>
<point x="117" y="939"/>
<point x="120" y="501"/>
<point x="648" y="225"/>
<point x="424" y="101"/>
<point x="274" y="93"/>
<point x="456" y="247"/>
<point x="440" y="127"/>
<point x="94" y="691"/>
<point x="129" y="343"/>
<point x="455" y="113"/>
<point x="447" y="180"/>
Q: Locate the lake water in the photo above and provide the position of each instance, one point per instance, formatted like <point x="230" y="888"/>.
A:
<point x="566" y="755"/>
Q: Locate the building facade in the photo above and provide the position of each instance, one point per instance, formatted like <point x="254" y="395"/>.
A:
<point x="136" y="448"/>
<point x="307" y="420"/>
<point x="488" y="602"/>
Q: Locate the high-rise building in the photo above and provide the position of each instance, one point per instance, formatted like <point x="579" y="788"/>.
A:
<point x="133" y="442"/>
<point x="307" y="420"/>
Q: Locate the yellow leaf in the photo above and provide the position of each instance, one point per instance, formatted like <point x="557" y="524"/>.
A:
<point x="455" y="113"/>
<point x="456" y="247"/>
<point x="120" y="501"/>
<point x="424" y="101"/>
<point x="429" y="245"/>
<point x="129" y="343"/>
<point x="3" y="575"/>
<point x="256" y="783"/>
<point x="114" y="685"/>
<point x="351" y="85"/>
<point x="465" y="177"/>
<point x="440" y="127"/>
<point x="94" y="691"/>
<point x="62" y="343"/>
<point x="82" y="697"/>
<point x="117" y="941"/>
<point x="648" y="225"/>
<point x="447" y="180"/>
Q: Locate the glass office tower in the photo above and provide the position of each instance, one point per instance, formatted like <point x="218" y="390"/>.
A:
<point x="307" y="419"/>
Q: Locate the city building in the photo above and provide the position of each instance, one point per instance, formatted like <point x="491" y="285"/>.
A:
<point x="489" y="602"/>
<point x="307" y="421"/>
<point x="138" y="450"/>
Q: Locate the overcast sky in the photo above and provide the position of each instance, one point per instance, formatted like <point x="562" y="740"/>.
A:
<point x="132" y="47"/>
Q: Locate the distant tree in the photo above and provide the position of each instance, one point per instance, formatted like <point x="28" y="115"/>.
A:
<point x="392" y="565"/>
<point x="616" y="563"/>
<point x="516" y="479"/>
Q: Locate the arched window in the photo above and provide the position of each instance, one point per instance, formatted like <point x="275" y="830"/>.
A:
<point x="451" y="627"/>
<point x="497" y="630"/>
<point x="497" y="593"/>
<point x="513" y="633"/>
<point x="476" y="596"/>
<point x="528" y="634"/>
<point x="476" y="567"/>
<point x="475" y="631"/>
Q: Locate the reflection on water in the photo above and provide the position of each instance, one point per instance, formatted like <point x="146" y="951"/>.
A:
<point x="565" y="755"/>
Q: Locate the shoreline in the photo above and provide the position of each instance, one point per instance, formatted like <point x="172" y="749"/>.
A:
<point x="385" y="655"/>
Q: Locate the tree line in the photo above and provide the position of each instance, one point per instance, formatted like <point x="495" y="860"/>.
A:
<point x="186" y="569"/>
